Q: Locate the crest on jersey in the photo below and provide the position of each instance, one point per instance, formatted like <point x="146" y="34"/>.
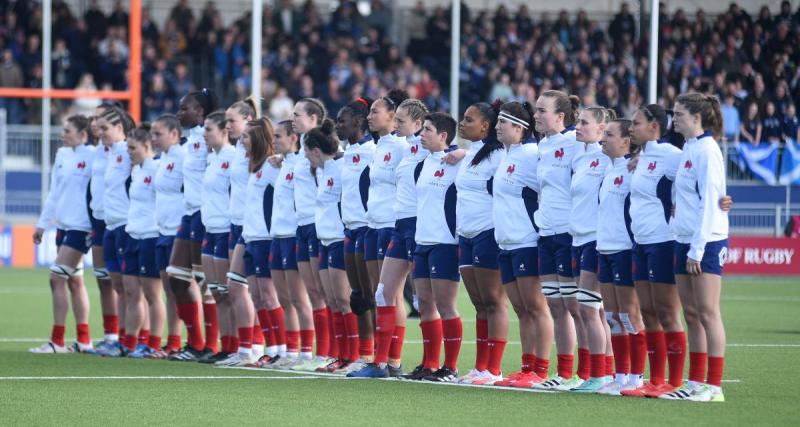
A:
<point x="595" y="163"/>
<point x="651" y="166"/>
<point x="289" y="176"/>
<point x="414" y="149"/>
<point x="688" y="164"/>
<point x="387" y="157"/>
<point x="357" y="158"/>
<point x="510" y="169"/>
<point x="559" y="153"/>
<point x="82" y="165"/>
<point x="148" y="180"/>
<point x="170" y="167"/>
<point x="196" y="146"/>
<point x="439" y="173"/>
<point x="119" y="158"/>
<point x="330" y="182"/>
<point x="258" y="175"/>
<point x="225" y="165"/>
<point x="618" y="181"/>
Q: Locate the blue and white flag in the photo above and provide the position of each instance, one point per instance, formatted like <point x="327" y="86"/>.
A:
<point x="761" y="161"/>
<point x="790" y="164"/>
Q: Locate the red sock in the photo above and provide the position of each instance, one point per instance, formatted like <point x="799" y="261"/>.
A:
<point x="425" y="341"/>
<point x="333" y="342"/>
<point x="715" y="365"/>
<point x="697" y="366"/>
<point x="528" y="362"/>
<point x="122" y="335"/>
<point x="452" y="332"/>
<point x="340" y="332"/>
<point x="57" y="335"/>
<point x="396" y="349"/>
<point x="676" y="355"/>
<point x="432" y="343"/>
<point x="321" y="331"/>
<point x="292" y="341"/>
<point x="173" y="342"/>
<point x="82" y="330"/>
<point x="212" y="326"/>
<point x="110" y="324"/>
<point x="384" y="329"/>
<point x="565" y="364"/>
<point x="657" y="353"/>
<point x="258" y="334"/>
<point x="366" y="347"/>
<point x="496" y="348"/>
<point x="598" y="362"/>
<point x="306" y="341"/>
<point x="610" y="366"/>
<point x="144" y="336"/>
<point x="278" y="325"/>
<point x="351" y="330"/>
<point x="584" y="363"/>
<point x="481" y="344"/>
<point x="622" y="353"/>
<point x="154" y="342"/>
<point x="542" y="367"/>
<point x="234" y="343"/>
<point x="190" y="314"/>
<point x="130" y="342"/>
<point x="638" y="352"/>
<point x="265" y="322"/>
<point x="245" y="337"/>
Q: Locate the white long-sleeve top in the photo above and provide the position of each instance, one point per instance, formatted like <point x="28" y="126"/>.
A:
<point x="194" y="165"/>
<point x="589" y="168"/>
<point x="389" y="152"/>
<point x="97" y="184"/>
<point x="475" y="185"/>
<point x="328" y="212"/>
<point x="699" y="184"/>
<point x="405" y="201"/>
<point x="516" y="198"/>
<point x="554" y="175"/>
<point x="304" y="186"/>
<point x="115" y="196"/>
<point x="614" y="224"/>
<point x="215" y="210"/>
<point x="67" y="203"/>
<point x="169" y="190"/>
<point x="355" y="182"/>
<point x="651" y="192"/>
<point x="284" y="219"/>
<point x="436" y="201"/>
<point x="258" y="208"/>
<point x="141" y="211"/>
<point x="240" y="174"/>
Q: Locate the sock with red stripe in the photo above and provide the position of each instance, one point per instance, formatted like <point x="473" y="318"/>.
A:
<point x="481" y="344"/>
<point x="154" y="342"/>
<point x="452" y="333"/>
<point x="542" y="367"/>
<point x="432" y="333"/>
<point x="638" y="352"/>
<point x="306" y="341"/>
<point x="82" y="332"/>
<point x="657" y="355"/>
<point x="610" y="366"/>
<point x="384" y="329"/>
<point x="245" y="337"/>
<point x="340" y="332"/>
<point x="110" y="324"/>
<point x="598" y="365"/>
<point x="715" y="367"/>
<point x="321" y="332"/>
<point x="351" y="331"/>
<point x="333" y="342"/>
<point x="292" y="341"/>
<point x="212" y="326"/>
<point x="396" y="347"/>
<point x="144" y="336"/>
<point x="496" y="348"/>
<point x="57" y="335"/>
<point x="584" y="363"/>
<point x="622" y="354"/>
<point x="697" y="366"/>
<point x="528" y="362"/>
<point x="676" y="356"/>
<point x="278" y="325"/>
<point x="190" y="314"/>
<point x="173" y="342"/>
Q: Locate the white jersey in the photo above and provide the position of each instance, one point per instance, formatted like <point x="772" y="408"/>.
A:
<point x="436" y="201"/>
<point x="614" y="227"/>
<point x="142" y="210"/>
<point x="216" y="190"/>
<point x="355" y="182"/>
<point x="389" y="153"/>
<point x="240" y="174"/>
<point x="67" y="203"/>
<point x="115" y="196"/>
<point x="405" y="201"/>
<point x="651" y="192"/>
<point x="554" y="175"/>
<point x="588" y="170"/>
<point x="699" y="184"/>
<point x="516" y="198"/>
<point x="284" y="222"/>
<point x="97" y="184"/>
<point x="305" y="190"/>
<point x="474" y="184"/>
<point x="194" y="165"/>
<point x="328" y="218"/>
<point x="258" y="208"/>
<point x="169" y="190"/>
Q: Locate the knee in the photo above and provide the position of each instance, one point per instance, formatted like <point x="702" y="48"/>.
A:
<point x="709" y="316"/>
<point x="668" y="318"/>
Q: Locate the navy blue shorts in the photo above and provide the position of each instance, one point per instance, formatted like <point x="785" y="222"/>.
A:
<point x="354" y="240"/>
<point x="234" y="236"/>
<point x="714" y="257"/>
<point x="615" y="268"/>
<point x="81" y="241"/>
<point x="114" y="244"/>
<point x="191" y="228"/>
<point x="256" y="258"/>
<point x="140" y="258"/>
<point x="307" y="243"/>
<point x="555" y="255"/>
<point x="376" y="242"/>
<point x="584" y="258"/>
<point x="164" y="251"/>
<point x="436" y="262"/>
<point x="480" y="251"/>
<point x="216" y="245"/>
<point x="522" y="262"/>
<point x="331" y="256"/>
<point x="654" y="262"/>
<point x="98" y="231"/>
<point x="403" y="244"/>
<point x="284" y="254"/>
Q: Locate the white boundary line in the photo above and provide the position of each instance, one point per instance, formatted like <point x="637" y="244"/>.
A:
<point x="164" y="377"/>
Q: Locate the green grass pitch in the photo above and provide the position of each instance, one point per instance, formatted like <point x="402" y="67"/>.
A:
<point x="762" y="375"/>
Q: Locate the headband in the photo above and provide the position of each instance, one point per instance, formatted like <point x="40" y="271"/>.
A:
<point x="512" y="119"/>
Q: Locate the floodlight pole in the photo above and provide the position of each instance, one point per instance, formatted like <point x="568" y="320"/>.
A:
<point x="47" y="44"/>
<point x="255" y="50"/>
<point x="455" y="56"/>
<point x="652" y="93"/>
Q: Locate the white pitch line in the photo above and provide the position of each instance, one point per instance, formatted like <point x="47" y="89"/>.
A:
<point x="163" y="377"/>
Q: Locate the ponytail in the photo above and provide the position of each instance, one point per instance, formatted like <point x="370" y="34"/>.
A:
<point x="322" y="138"/>
<point x="490" y="143"/>
<point x="566" y="104"/>
<point x="707" y="106"/>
